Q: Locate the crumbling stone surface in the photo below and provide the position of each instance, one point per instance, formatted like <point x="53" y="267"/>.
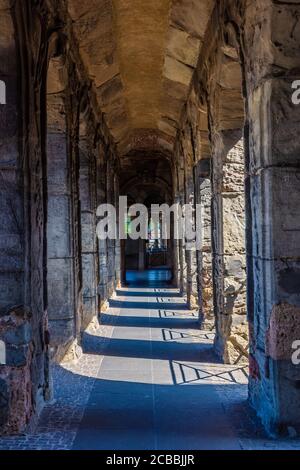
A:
<point x="40" y="252"/>
<point x="229" y="251"/>
<point x="283" y="331"/>
<point x="16" y="404"/>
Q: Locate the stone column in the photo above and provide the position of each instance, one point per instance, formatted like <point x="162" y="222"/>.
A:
<point x="111" y="278"/>
<point x="141" y="254"/>
<point x="181" y="249"/>
<point x="206" y="308"/>
<point x="229" y="261"/>
<point x="89" y="248"/>
<point x="102" y="244"/>
<point x="175" y="258"/>
<point x="73" y="124"/>
<point x="273" y="195"/>
<point x="118" y="261"/>
<point x="174" y="246"/>
<point x="191" y="254"/>
<point x="123" y="262"/>
<point x="24" y="376"/>
<point x="16" y="333"/>
<point x="60" y="249"/>
<point x="11" y="197"/>
<point x="183" y="267"/>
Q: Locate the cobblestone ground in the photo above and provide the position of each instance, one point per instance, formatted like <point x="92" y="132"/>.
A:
<point x="73" y="382"/>
<point x="59" y="424"/>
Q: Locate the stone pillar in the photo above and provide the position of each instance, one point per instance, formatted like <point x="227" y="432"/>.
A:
<point x="229" y="260"/>
<point x="175" y="257"/>
<point x="60" y="251"/>
<point x="183" y="268"/>
<point x="123" y="261"/>
<point x="73" y="123"/>
<point x="191" y="255"/>
<point x="102" y="244"/>
<point x="89" y="248"/>
<point x="102" y="288"/>
<point x="173" y="246"/>
<point x="273" y="195"/>
<point x="110" y="244"/>
<point x="206" y="308"/>
<point x="172" y="254"/>
<point x="141" y="254"/>
<point x="11" y="197"/>
<point x="118" y="261"/>
<point x="181" y="249"/>
<point x="24" y="367"/>
<point x="16" y="335"/>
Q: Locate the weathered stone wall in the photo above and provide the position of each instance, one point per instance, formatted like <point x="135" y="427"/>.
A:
<point x="41" y="236"/>
<point x="181" y="246"/>
<point x="102" y="244"/>
<point x="254" y="46"/>
<point x="215" y="110"/>
<point x="195" y="265"/>
<point x="229" y="260"/>
<point x="235" y="253"/>
<point x="24" y="377"/>
<point x="117" y="253"/>
<point x="272" y="43"/>
<point x="203" y="190"/>
<point x="60" y="249"/>
<point x="110" y="243"/>
<point x="11" y="199"/>
<point x="89" y="244"/>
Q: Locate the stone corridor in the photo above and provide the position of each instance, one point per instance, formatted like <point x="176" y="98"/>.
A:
<point x="187" y="111"/>
<point x="140" y="368"/>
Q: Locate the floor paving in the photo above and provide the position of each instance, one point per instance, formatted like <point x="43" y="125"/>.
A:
<point x="148" y="379"/>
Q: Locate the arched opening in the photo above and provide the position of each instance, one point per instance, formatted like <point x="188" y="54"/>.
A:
<point x="150" y="255"/>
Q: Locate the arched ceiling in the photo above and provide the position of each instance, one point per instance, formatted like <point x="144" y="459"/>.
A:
<point x="141" y="55"/>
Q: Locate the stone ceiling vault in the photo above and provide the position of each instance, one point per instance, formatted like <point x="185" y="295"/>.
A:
<point x="141" y="55"/>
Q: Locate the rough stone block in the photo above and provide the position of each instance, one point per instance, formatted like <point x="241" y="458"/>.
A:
<point x="4" y="401"/>
<point x="88" y="275"/>
<point x="88" y="232"/>
<point x="18" y="336"/>
<point x="61" y="289"/>
<point x="62" y="332"/>
<point x="59" y="227"/>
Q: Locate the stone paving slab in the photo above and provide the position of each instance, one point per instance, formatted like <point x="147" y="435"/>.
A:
<point x="148" y="379"/>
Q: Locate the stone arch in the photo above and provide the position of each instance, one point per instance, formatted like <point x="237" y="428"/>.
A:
<point x="143" y="182"/>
